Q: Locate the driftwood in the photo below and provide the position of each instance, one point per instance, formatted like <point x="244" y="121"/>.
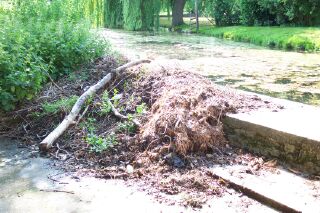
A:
<point x="70" y="119"/>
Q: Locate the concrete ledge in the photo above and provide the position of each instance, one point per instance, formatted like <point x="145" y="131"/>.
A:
<point x="291" y="135"/>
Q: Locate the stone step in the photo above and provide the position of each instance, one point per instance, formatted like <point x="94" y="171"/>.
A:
<point x="275" y="187"/>
<point x="291" y="135"/>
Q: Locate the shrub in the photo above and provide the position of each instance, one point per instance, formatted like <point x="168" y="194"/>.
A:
<point x="38" y="39"/>
<point x="277" y="12"/>
<point x="303" y="12"/>
<point x="225" y="12"/>
<point x="265" y="12"/>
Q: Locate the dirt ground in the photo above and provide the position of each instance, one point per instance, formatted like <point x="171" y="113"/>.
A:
<point x="181" y="131"/>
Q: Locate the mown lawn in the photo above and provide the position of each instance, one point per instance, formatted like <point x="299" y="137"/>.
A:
<point x="286" y="38"/>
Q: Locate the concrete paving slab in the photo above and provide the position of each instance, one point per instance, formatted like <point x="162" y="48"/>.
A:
<point x="293" y="191"/>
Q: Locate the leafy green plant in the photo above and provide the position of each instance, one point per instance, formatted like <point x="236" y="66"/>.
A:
<point x="141" y="109"/>
<point x="99" y="144"/>
<point x="90" y="125"/>
<point x="126" y="127"/>
<point x="37" y="39"/>
<point x="64" y="104"/>
<point x="115" y="100"/>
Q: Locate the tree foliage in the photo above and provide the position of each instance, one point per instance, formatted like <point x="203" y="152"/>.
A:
<point x="132" y="14"/>
<point x="225" y="12"/>
<point x="265" y="12"/>
<point x="113" y="14"/>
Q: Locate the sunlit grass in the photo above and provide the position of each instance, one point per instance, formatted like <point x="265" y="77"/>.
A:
<point x="286" y="38"/>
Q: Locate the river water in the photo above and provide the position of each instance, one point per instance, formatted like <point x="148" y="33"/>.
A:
<point x="289" y="75"/>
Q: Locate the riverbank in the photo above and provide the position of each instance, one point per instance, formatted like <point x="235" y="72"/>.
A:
<point x="167" y="157"/>
<point x="162" y="154"/>
<point x="305" y="39"/>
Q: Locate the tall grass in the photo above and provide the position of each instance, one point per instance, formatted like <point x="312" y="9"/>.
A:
<point x="40" y="38"/>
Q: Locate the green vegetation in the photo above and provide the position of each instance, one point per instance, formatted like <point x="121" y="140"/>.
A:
<point x="127" y="126"/>
<point x="38" y="39"/>
<point x="62" y="105"/>
<point x="113" y="14"/>
<point x="132" y="14"/>
<point x="282" y="22"/>
<point x="286" y="38"/>
<point x="263" y="12"/>
<point x="99" y="144"/>
<point x="41" y="39"/>
<point x="106" y="108"/>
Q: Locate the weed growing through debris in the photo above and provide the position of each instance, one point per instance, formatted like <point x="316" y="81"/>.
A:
<point x="62" y="105"/>
<point x="127" y="126"/>
<point x="99" y="144"/>
<point x="115" y="100"/>
<point x="141" y="109"/>
<point x="90" y="125"/>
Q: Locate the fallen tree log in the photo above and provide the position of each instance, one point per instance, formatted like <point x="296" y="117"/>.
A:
<point x="70" y="119"/>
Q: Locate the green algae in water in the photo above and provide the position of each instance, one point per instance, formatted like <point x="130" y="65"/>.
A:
<point x="293" y="95"/>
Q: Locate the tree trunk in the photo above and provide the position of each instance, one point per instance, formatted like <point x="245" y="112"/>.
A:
<point x="177" y="12"/>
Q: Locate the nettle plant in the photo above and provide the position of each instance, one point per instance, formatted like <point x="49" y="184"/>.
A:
<point x="38" y="39"/>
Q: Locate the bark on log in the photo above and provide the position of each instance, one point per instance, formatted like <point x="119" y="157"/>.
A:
<point x="70" y="119"/>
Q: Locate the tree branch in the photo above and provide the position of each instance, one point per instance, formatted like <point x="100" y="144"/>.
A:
<point x="70" y="119"/>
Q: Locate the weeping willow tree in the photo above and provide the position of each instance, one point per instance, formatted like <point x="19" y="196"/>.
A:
<point x="132" y="17"/>
<point x="136" y="14"/>
<point x="113" y="15"/>
<point x="150" y="13"/>
<point x="92" y="10"/>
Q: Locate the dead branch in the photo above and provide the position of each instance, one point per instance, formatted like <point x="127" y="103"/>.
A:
<point x="119" y="115"/>
<point x="55" y="190"/>
<point x="70" y="119"/>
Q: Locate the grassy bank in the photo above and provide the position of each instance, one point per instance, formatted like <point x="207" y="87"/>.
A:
<point x="285" y="38"/>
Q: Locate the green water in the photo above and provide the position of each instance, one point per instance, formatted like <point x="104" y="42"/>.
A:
<point x="288" y="75"/>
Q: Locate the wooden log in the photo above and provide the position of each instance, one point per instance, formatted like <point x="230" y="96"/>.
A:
<point x="70" y="119"/>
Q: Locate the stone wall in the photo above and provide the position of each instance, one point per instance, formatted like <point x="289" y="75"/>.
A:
<point x="301" y="153"/>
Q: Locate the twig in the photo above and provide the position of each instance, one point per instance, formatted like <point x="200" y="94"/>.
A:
<point x="118" y="83"/>
<point x="55" y="190"/>
<point x="52" y="81"/>
<point x="59" y="149"/>
<point x="55" y="180"/>
<point x="219" y="116"/>
<point x="81" y="116"/>
<point x="119" y="115"/>
<point x="33" y="108"/>
<point x="150" y="144"/>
